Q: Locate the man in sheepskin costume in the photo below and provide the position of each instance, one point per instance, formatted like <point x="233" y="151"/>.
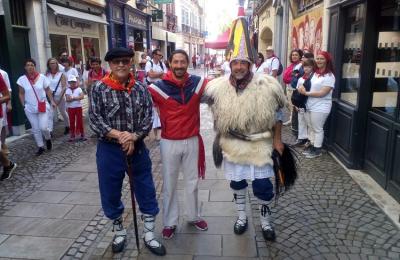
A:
<point x="247" y="114"/>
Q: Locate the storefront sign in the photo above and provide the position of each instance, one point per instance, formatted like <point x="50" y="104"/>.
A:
<point x="163" y="1"/>
<point x="307" y="31"/>
<point x="156" y="15"/>
<point x="67" y="21"/>
<point x="135" y="20"/>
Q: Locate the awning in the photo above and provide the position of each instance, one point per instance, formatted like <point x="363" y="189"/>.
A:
<point x="59" y="10"/>
<point x="221" y="42"/>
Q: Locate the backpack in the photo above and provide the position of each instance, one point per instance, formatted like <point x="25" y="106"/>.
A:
<point x="280" y="69"/>
<point x="299" y="100"/>
<point x="161" y="64"/>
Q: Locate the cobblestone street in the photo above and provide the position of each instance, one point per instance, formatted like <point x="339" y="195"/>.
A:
<point x="50" y="209"/>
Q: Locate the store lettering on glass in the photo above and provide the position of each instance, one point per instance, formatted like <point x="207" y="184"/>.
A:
<point x="136" y="20"/>
<point x="64" y="21"/>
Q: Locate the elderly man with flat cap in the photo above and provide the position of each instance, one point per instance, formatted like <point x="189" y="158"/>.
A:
<point x="120" y="115"/>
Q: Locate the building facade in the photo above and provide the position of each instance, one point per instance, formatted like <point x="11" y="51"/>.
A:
<point x="364" y="130"/>
<point x="190" y="27"/>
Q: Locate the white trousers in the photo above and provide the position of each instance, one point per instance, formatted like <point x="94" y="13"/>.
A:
<point x="302" y="125"/>
<point x="179" y="155"/>
<point x="315" y="123"/>
<point x="53" y="114"/>
<point x="39" y="123"/>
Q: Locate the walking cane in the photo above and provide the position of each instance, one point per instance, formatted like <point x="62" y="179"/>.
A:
<point x="129" y="170"/>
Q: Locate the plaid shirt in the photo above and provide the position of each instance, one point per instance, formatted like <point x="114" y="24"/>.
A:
<point x="113" y="109"/>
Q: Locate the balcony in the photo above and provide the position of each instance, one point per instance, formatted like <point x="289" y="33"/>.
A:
<point x="171" y="22"/>
<point x="141" y="4"/>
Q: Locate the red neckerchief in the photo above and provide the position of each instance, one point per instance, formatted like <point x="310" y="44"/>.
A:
<point x="169" y="76"/>
<point x="305" y="76"/>
<point x="116" y="85"/>
<point x="33" y="78"/>
<point x="94" y="75"/>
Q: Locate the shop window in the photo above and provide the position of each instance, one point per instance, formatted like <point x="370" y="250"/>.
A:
<point x="351" y="59"/>
<point x="59" y="43"/>
<point x="387" y="59"/>
<point x="92" y="48"/>
<point x="117" y="37"/>
<point x="76" y="52"/>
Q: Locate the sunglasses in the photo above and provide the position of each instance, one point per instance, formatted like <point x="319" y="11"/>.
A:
<point x="160" y="55"/>
<point x="118" y="61"/>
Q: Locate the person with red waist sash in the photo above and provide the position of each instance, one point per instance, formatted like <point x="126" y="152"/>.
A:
<point x="178" y="97"/>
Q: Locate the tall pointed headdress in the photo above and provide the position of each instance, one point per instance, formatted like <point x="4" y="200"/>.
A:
<point x="239" y="44"/>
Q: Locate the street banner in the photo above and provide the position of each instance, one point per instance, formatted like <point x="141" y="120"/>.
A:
<point x="307" y="31"/>
<point x="163" y="1"/>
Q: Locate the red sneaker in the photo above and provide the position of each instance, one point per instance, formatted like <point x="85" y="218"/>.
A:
<point x="168" y="232"/>
<point x="201" y="224"/>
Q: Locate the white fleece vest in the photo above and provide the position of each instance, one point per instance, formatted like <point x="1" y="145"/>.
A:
<point x="250" y="111"/>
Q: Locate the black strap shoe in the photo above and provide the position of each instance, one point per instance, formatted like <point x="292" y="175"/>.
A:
<point x="40" y="151"/>
<point x="66" y="130"/>
<point x="49" y="145"/>
<point x="268" y="233"/>
<point x="119" y="240"/>
<point x="157" y="250"/>
<point x="240" y="226"/>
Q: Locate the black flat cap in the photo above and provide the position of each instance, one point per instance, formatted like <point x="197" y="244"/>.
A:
<point x="118" y="52"/>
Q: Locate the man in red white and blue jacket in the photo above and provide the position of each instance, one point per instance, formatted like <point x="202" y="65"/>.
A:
<point x="178" y="96"/>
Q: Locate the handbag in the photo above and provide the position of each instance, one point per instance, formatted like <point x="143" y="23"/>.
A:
<point x="41" y="104"/>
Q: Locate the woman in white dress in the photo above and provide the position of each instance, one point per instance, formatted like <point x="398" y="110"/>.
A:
<point x="57" y="85"/>
<point x="33" y="88"/>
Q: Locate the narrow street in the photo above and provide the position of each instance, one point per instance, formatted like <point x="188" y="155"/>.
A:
<point x="50" y="209"/>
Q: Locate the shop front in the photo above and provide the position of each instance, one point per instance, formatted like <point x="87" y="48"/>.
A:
<point x="127" y="26"/>
<point x="364" y="132"/>
<point x="137" y="28"/>
<point x="79" y="33"/>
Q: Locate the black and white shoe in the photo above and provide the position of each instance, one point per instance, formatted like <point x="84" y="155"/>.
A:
<point x="119" y="240"/>
<point x="149" y="240"/>
<point x="240" y="226"/>
<point x="8" y="171"/>
<point x="268" y="232"/>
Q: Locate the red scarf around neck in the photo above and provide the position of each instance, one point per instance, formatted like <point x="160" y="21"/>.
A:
<point x="32" y="78"/>
<point x="94" y="75"/>
<point x="116" y="85"/>
<point x="169" y="76"/>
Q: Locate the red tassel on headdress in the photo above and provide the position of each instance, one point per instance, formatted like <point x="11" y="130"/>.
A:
<point x="202" y="159"/>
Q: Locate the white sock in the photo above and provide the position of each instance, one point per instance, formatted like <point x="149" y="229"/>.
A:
<point x="265" y="213"/>
<point x="240" y="202"/>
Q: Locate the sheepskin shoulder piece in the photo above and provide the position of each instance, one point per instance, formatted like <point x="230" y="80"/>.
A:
<point x="250" y="111"/>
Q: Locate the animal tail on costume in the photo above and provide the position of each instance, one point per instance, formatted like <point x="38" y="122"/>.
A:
<point x="217" y="151"/>
<point x="285" y="168"/>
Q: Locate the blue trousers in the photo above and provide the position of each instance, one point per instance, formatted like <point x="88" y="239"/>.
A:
<point x="262" y="188"/>
<point x="111" y="168"/>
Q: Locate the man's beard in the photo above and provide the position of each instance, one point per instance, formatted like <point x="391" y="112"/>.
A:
<point x="239" y="75"/>
<point x="179" y="73"/>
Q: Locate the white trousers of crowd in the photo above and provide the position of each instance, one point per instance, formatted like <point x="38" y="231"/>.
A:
<point x="40" y="126"/>
<point x="311" y="126"/>
<point x="179" y="155"/>
<point x="53" y="113"/>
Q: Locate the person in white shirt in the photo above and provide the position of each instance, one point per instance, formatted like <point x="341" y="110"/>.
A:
<point x="57" y="85"/>
<point x="69" y="70"/>
<point x="7" y="107"/>
<point x="319" y="102"/>
<point x="271" y="64"/>
<point x="61" y="56"/>
<point x="74" y="95"/>
<point x="33" y="89"/>
<point x="155" y="69"/>
<point x="226" y="68"/>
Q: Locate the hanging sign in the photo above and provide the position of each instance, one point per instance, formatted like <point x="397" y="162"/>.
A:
<point x="156" y="15"/>
<point x="163" y="1"/>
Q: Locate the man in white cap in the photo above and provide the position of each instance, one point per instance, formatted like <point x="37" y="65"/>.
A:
<point x="247" y="115"/>
<point x="271" y="63"/>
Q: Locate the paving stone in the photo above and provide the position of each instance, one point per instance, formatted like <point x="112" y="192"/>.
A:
<point x="3" y="238"/>
<point x="46" y="196"/>
<point x="83" y="212"/>
<point x="34" y="247"/>
<point x="241" y="246"/>
<point x="25" y="209"/>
